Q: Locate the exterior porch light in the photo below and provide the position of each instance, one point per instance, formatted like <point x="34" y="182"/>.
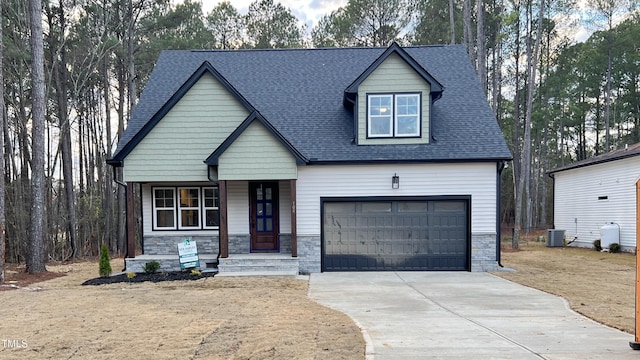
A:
<point x="395" y="181"/>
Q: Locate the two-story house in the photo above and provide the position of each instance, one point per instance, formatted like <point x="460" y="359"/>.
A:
<point x="328" y="159"/>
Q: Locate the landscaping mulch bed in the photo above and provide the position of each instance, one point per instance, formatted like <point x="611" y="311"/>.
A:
<point x="144" y="277"/>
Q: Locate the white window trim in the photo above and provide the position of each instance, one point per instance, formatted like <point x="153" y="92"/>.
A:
<point x="197" y="208"/>
<point x="177" y="220"/>
<point x="155" y="209"/>
<point x="394" y="116"/>
<point x="205" y="208"/>
<point x="369" y="116"/>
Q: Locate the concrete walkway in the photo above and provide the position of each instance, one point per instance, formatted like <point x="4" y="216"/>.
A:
<point x="461" y="315"/>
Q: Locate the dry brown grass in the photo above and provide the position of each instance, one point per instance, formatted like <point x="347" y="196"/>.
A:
<point x="598" y="285"/>
<point x="211" y="318"/>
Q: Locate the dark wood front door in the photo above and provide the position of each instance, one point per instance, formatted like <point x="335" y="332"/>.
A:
<point x="263" y="218"/>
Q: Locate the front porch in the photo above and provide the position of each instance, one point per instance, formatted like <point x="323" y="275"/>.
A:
<point x="259" y="264"/>
<point x="256" y="232"/>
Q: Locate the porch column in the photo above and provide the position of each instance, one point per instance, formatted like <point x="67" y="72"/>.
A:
<point x="130" y="225"/>
<point x="223" y="231"/>
<point x="294" y="221"/>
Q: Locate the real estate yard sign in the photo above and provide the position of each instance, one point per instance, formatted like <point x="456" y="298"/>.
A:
<point x="188" y="254"/>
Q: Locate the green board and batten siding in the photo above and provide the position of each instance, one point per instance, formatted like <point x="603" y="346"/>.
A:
<point x="257" y="155"/>
<point x="393" y="75"/>
<point x="176" y="147"/>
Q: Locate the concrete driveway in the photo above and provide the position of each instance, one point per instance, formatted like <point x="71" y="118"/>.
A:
<point x="461" y="315"/>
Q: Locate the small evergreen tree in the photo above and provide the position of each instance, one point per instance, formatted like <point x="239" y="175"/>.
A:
<point x="105" y="265"/>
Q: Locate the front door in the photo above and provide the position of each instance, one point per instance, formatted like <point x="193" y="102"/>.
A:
<point x="263" y="218"/>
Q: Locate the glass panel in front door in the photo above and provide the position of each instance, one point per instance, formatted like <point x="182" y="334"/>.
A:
<point x="264" y="209"/>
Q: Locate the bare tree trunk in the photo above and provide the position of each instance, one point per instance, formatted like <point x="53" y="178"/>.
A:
<point x="452" y="22"/>
<point x="545" y="163"/>
<point x="108" y="187"/>
<point x="516" y="125"/>
<point x="36" y="253"/>
<point x="132" y="90"/>
<point x="122" y="233"/>
<point x="496" y="78"/>
<point x="60" y="78"/>
<point x="482" y="52"/>
<point x="2" y="164"/>
<point x="468" y="33"/>
<point x="607" y="99"/>
<point x="532" y="65"/>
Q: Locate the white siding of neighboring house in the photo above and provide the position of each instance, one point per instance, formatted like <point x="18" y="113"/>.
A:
<point x="578" y="210"/>
<point x="475" y="179"/>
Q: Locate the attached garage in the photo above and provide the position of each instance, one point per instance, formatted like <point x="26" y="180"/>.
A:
<point x="381" y="234"/>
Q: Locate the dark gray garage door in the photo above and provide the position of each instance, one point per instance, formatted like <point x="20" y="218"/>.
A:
<point x="395" y="235"/>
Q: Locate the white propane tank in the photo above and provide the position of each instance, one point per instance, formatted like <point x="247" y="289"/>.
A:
<point x="609" y="234"/>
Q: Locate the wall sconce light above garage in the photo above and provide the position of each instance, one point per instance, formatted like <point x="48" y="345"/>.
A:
<point x="395" y="181"/>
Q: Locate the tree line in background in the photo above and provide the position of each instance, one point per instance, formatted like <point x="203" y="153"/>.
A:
<point x="557" y="101"/>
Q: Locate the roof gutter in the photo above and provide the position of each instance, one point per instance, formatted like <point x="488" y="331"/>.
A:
<point x="115" y="164"/>
<point x="314" y="161"/>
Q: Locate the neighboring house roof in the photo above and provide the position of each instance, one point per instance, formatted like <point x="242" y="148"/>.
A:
<point x="627" y="151"/>
<point x="300" y="93"/>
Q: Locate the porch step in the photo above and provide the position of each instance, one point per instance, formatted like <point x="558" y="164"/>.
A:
<point x="168" y="262"/>
<point x="258" y="265"/>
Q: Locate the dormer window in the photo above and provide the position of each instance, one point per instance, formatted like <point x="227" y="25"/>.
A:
<point x="394" y="115"/>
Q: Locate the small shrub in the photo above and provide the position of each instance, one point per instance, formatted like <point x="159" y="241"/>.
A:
<point x="151" y="267"/>
<point x="196" y="272"/>
<point x="104" y="265"/>
<point x="131" y="275"/>
<point x="614" y="247"/>
<point x="596" y="245"/>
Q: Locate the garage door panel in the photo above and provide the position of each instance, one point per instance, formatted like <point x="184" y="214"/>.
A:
<point x="395" y="235"/>
<point x="393" y="262"/>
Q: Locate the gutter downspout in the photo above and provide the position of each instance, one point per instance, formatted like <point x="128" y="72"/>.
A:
<point x="553" y="202"/>
<point x="500" y="166"/>
<point x="126" y="225"/>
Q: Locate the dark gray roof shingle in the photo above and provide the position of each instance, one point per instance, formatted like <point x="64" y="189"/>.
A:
<point x="300" y="92"/>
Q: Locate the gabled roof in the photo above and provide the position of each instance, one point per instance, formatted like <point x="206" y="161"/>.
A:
<point x="626" y="152"/>
<point x="300" y="92"/>
<point x="254" y="116"/>
<point x="394" y="48"/>
<point x="205" y="67"/>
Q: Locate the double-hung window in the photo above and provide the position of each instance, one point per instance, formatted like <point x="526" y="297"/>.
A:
<point x="189" y="208"/>
<point x="164" y="208"/>
<point x="393" y="115"/>
<point x="211" y="206"/>
<point x="185" y="208"/>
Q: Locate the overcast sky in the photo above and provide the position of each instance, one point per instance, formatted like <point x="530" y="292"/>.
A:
<point x="308" y="11"/>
